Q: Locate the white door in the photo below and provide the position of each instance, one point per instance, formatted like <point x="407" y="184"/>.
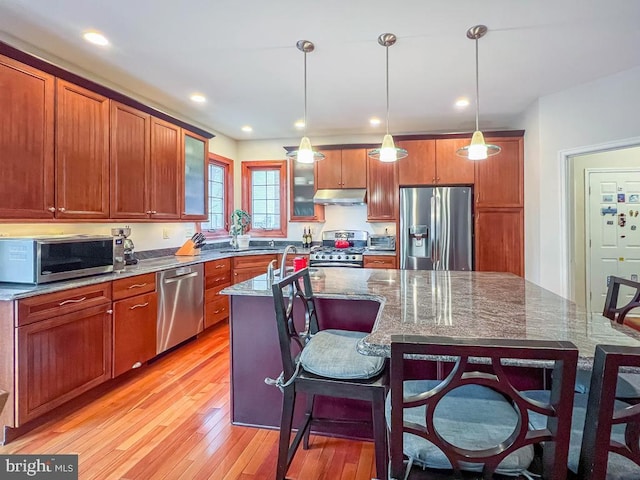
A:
<point x="613" y="232"/>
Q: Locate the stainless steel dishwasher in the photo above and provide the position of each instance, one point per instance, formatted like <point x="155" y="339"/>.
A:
<point x="180" y="305"/>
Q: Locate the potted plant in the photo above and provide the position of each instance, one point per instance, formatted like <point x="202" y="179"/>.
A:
<point x="240" y="221"/>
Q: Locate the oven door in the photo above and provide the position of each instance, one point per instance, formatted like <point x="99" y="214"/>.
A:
<point x="320" y="263"/>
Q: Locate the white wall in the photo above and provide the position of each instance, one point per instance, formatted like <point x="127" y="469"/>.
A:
<point x="594" y="113"/>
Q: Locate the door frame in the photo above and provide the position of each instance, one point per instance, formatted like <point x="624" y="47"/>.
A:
<point x="567" y="235"/>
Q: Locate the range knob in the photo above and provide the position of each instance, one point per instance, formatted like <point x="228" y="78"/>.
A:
<point x="339" y="257"/>
<point x="322" y="257"/>
<point x="330" y="257"/>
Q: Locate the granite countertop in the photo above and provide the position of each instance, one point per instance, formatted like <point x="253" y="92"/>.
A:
<point x="459" y="304"/>
<point x="15" y="291"/>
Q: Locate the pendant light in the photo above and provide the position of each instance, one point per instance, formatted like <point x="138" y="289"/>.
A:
<point x="305" y="153"/>
<point x="477" y="149"/>
<point x="388" y="152"/>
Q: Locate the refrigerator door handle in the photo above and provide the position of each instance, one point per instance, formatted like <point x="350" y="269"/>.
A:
<point x="433" y="231"/>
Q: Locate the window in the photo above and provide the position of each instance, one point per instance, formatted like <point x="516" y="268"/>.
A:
<point x="220" y="197"/>
<point x="264" y="197"/>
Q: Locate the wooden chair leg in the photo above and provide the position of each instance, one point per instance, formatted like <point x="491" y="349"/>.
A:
<point x="288" y="403"/>
<point x="307" y="433"/>
<point x="380" y="434"/>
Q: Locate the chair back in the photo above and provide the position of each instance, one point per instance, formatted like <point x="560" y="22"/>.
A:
<point x="611" y="309"/>
<point x="561" y="356"/>
<point x="601" y="415"/>
<point x="297" y="320"/>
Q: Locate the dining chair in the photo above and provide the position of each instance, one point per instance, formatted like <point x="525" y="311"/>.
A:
<point x="476" y="420"/>
<point x="628" y="385"/>
<point x="322" y="362"/>
<point x="605" y="432"/>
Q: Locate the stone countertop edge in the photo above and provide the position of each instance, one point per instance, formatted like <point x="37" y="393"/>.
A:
<point x="16" y="291"/>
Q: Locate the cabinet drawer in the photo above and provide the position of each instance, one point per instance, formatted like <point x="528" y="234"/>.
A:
<point x="134" y="331"/>
<point x="128" y="287"/>
<point x="253" y="261"/>
<point x="215" y="267"/>
<point x="43" y="307"/>
<point x="220" y="278"/>
<point x="380" y="261"/>
<point x="216" y="310"/>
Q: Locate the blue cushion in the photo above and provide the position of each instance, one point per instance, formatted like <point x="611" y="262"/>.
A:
<point x="619" y="468"/>
<point x="472" y="417"/>
<point x="333" y="354"/>
<point x="628" y="385"/>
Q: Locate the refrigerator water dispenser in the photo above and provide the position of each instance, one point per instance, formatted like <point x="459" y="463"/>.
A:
<point x="418" y="241"/>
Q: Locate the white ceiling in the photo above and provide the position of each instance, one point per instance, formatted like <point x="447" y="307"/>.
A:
<point x="242" y="56"/>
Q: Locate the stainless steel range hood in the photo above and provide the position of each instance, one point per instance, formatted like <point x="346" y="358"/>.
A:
<point x="341" y="196"/>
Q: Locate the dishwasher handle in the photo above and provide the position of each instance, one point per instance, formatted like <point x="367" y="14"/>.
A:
<point x="180" y="277"/>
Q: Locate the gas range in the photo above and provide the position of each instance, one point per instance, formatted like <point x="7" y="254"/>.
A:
<point x="332" y="254"/>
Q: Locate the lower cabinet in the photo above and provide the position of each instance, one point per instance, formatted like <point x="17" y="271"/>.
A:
<point x="60" y="358"/>
<point x="217" y="275"/>
<point x="134" y="331"/>
<point x="380" y="261"/>
<point x="500" y="240"/>
<point x="245" y="268"/>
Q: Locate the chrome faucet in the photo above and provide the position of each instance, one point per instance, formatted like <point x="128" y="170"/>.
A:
<point x="283" y="263"/>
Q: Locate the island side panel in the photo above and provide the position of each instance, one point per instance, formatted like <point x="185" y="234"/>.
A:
<point x="7" y="365"/>
<point x="255" y="355"/>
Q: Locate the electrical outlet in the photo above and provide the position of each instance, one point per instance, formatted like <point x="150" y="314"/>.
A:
<point x="188" y="233"/>
<point x="166" y="233"/>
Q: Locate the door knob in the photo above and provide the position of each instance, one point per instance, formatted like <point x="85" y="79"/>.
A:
<point x="62" y="209"/>
<point x="52" y="209"/>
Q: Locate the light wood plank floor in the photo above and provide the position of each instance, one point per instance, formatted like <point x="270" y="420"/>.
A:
<point x="170" y="420"/>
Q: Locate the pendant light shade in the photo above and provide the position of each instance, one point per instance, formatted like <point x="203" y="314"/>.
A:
<point x="305" y="153"/>
<point x="478" y="149"/>
<point x="388" y="152"/>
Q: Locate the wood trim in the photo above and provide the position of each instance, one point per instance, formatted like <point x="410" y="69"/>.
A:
<point x="247" y="168"/>
<point x="227" y="164"/>
<point x="59" y="72"/>
<point x="7" y="365"/>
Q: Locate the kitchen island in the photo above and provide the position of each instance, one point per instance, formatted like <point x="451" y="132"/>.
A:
<point x="403" y="302"/>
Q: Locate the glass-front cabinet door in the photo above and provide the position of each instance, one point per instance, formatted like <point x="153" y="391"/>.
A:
<point x="195" y="179"/>
<point x="303" y="187"/>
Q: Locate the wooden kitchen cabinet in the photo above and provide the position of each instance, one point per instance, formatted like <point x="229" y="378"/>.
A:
<point x="26" y="141"/>
<point x="61" y="357"/>
<point x="303" y="179"/>
<point x="194" y="169"/>
<point x="217" y="275"/>
<point x="380" y="261"/>
<point x="499" y="180"/>
<point x="130" y="161"/>
<point x="343" y="169"/>
<point x="499" y="240"/>
<point x="81" y="153"/>
<point x="382" y="190"/>
<point x="434" y="162"/>
<point x="245" y="268"/>
<point x="165" y="183"/>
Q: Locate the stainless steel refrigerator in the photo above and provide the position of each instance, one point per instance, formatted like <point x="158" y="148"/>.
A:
<point x="436" y="228"/>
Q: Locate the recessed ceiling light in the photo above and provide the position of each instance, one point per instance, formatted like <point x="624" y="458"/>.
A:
<point x="247" y="128"/>
<point x="198" y="98"/>
<point x="299" y="124"/>
<point x="462" y="102"/>
<point x="374" y="121"/>
<point x="96" y="38"/>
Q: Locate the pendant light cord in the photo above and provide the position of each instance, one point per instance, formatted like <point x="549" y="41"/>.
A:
<point x="477" y="90"/>
<point x="387" y="52"/>
<point x="305" y="94"/>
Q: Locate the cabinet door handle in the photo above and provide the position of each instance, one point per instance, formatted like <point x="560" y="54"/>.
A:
<point x="219" y="266"/>
<point x="77" y="300"/>
<point x="62" y="209"/>
<point x="136" y="365"/>
<point x="52" y="209"/>
<point x="140" y="305"/>
<point x="219" y="310"/>
<point x="153" y="212"/>
<point x="109" y="311"/>
<point x="148" y="212"/>
<point x="137" y="285"/>
<point x="218" y="279"/>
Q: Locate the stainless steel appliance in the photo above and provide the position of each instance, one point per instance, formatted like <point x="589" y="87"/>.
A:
<point x="49" y="258"/>
<point x="436" y="228"/>
<point x="382" y="242"/>
<point x="340" y="248"/>
<point x="122" y="248"/>
<point x="180" y="305"/>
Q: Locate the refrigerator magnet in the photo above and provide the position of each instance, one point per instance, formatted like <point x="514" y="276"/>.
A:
<point x="621" y="197"/>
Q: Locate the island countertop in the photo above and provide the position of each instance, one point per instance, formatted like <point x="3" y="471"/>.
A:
<point x="459" y="304"/>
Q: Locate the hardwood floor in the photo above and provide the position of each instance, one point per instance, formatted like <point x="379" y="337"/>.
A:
<point x="170" y="420"/>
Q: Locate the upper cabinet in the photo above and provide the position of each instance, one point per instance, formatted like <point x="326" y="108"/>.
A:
<point x="434" y="162"/>
<point x="82" y="152"/>
<point x="194" y="206"/>
<point x="26" y="141"/>
<point x="499" y="179"/>
<point x="302" y="187"/>
<point x="130" y="161"/>
<point x="382" y="190"/>
<point x="165" y="187"/>
<point x="343" y="169"/>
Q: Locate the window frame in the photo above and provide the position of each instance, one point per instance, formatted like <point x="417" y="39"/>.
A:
<point x="227" y="165"/>
<point x="247" y="169"/>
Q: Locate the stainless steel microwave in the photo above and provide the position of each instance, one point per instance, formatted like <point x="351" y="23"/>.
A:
<point x="47" y="259"/>
<point x="382" y="242"/>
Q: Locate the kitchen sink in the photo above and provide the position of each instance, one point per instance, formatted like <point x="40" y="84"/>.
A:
<point x="250" y="249"/>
